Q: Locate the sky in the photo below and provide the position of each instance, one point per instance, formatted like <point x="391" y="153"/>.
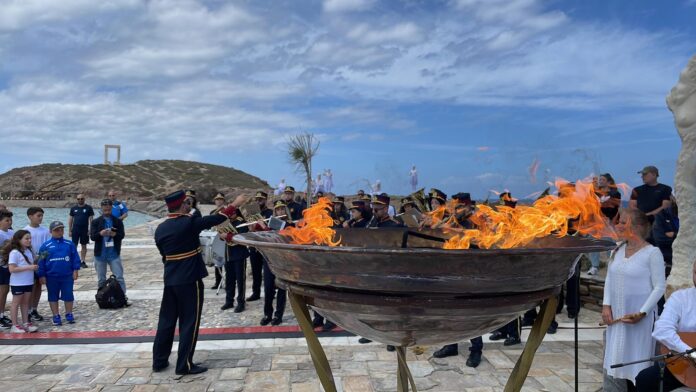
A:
<point x="472" y="92"/>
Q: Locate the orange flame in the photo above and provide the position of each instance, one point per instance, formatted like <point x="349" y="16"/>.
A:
<point x="575" y="209"/>
<point x="316" y="226"/>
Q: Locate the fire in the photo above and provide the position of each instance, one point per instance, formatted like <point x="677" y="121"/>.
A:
<point x="316" y="226"/>
<point x="576" y="209"/>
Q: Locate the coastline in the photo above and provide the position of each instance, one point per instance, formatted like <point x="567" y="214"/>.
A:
<point x="154" y="208"/>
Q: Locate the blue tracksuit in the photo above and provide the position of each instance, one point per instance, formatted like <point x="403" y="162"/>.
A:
<point x="58" y="259"/>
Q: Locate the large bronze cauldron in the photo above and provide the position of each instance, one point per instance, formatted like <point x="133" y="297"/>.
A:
<point x="399" y="287"/>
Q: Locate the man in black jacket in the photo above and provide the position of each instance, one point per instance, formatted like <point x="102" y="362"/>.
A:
<point x="107" y="233"/>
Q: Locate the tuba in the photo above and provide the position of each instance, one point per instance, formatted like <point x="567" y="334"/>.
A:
<point x="421" y="200"/>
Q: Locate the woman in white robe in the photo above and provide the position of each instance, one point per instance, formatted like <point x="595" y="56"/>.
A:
<point x="635" y="283"/>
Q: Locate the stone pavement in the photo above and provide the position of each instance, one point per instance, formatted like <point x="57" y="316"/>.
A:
<point x="280" y="364"/>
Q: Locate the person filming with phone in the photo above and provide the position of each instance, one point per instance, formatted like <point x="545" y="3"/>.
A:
<point x="107" y="233"/>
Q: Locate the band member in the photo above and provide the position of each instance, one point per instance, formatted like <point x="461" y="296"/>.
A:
<point x="339" y="213"/>
<point x="380" y="212"/>
<point x="235" y="266"/>
<point x="255" y="257"/>
<point x="191" y="197"/>
<point x="463" y="209"/>
<point x="360" y="215"/>
<point x="281" y="211"/>
<point x="678" y="316"/>
<point x="219" y="205"/>
<point x="177" y="239"/>
<point x="294" y="207"/>
<point x="407" y="204"/>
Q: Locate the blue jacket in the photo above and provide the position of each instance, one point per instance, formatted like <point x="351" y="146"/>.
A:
<point x="58" y="257"/>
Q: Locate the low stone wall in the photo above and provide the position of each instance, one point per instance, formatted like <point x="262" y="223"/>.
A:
<point x="591" y="291"/>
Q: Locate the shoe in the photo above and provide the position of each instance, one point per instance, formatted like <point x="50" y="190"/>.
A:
<point x="449" y="350"/>
<point x="29" y="327"/>
<point x="277" y="321"/>
<point x="17" y="329"/>
<point x="56" y="320"/>
<point x="5" y="322"/>
<point x="35" y="316"/>
<point x="265" y="320"/>
<point x="128" y="303"/>
<point x="497" y="335"/>
<point x="158" y="369"/>
<point x="69" y="318"/>
<point x="390" y="347"/>
<point x="328" y="326"/>
<point x="227" y="306"/>
<point x="253" y="297"/>
<point x="474" y="359"/>
<point x="195" y="369"/>
<point x="511" y="341"/>
<point x="592" y="271"/>
<point x="83" y="265"/>
<point x="317" y="322"/>
<point x="239" y="308"/>
<point x="552" y="328"/>
<point x="364" y="341"/>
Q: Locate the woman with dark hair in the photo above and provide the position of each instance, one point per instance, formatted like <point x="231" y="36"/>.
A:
<point x="634" y="284"/>
<point x="360" y="215"/>
<point x="18" y="256"/>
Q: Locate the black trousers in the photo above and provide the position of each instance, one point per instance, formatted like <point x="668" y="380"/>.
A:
<point x="666" y="250"/>
<point x="476" y="345"/>
<point x="235" y="279"/>
<point x="512" y="329"/>
<point x="648" y="380"/>
<point x="572" y="298"/>
<point x="256" y="261"/>
<point x="218" y="275"/>
<point x="270" y="291"/>
<point x="183" y="303"/>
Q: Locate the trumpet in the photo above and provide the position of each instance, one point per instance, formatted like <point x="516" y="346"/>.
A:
<point x="261" y="220"/>
<point x="421" y="200"/>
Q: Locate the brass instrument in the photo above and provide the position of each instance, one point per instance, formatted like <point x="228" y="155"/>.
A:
<point x="421" y="200"/>
<point x="225" y="227"/>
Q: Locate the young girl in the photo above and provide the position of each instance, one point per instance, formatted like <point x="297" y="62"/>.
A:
<point x="20" y="260"/>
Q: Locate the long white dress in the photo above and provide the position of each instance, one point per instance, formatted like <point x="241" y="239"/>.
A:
<point x="633" y="284"/>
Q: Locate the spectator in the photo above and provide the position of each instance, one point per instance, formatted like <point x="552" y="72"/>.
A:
<point x="119" y="209"/>
<point x="20" y="260"/>
<point x="59" y="264"/>
<point x="651" y="197"/>
<point x="192" y="199"/>
<point x="80" y="219"/>
<point x="107" y="232"/>
<point x="6" y="234"/>
<point x="610" y="200"/>
<point x="634" y="284"/>
<point x="39" y="235"/>
<point x="664" y="232"/>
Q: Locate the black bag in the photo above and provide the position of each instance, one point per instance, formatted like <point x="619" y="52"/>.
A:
<point x="110" y="295"/>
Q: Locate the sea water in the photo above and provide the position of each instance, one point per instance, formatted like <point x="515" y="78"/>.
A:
<point x="19" y="219"/>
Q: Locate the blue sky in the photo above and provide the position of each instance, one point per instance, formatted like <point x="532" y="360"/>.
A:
<point x="470" y="91"/>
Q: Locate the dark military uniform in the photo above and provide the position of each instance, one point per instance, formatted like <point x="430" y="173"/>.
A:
<point x="366" y="215"/>
<point x="270" y="290"/>
<point x="340" y="216"/>
<point x="256" y="258"/>
<point x="294" y="207"/>
<point x="235" y="269"/>
<point x="178" y="243"/>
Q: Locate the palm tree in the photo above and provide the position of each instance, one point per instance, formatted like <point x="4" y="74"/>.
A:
<point x="301" y="149"/>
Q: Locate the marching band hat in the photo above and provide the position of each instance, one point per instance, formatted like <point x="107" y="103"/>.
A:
<point x="407" y="201"/>
<point x="261" y="195"/>
<point x="339" y="199"/>
<point x="357" y="205"/>
<point x="175" y="199"/>
<point x="382" y="199"/>
<point x="289" y="189"/>
<point x="191" y="193"/>
<point x="463" y="198"/>
<point x="279" y="203"/>
<point x="438" y="194"/>
<point x="219" y="196"/>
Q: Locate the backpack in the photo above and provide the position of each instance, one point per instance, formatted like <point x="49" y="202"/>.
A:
<point x="110" y="295"/>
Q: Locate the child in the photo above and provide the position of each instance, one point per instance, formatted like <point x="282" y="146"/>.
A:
<point x="5" y="235"/>
<point x="39" y="235"/>
<point x="58" y="266"/>
<point x="20" y="259"/>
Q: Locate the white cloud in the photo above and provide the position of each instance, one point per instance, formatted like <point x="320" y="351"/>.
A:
<point x="347" y="5"/>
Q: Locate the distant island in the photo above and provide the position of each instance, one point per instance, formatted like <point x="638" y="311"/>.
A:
<point x="142" y="180"/>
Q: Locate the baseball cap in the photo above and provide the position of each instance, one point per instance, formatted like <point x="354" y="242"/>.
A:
<point x="56" y="225"/>
<point x="649" y="169"/>
<point x="106" y="202"/>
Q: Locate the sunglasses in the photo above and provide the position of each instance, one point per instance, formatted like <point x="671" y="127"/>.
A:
<point x="80" y="198"/>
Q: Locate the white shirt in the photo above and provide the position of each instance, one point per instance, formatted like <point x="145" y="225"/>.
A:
<point x="22" y="278"/>
<point x="39" y="235"/>
<point x="6" y="235"/>
<point x="679" y="315"/>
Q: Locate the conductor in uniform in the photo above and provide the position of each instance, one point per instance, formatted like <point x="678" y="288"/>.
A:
<point x="177" y="241"/>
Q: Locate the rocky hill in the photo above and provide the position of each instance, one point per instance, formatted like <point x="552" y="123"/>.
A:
<point x="143" y="180"/>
